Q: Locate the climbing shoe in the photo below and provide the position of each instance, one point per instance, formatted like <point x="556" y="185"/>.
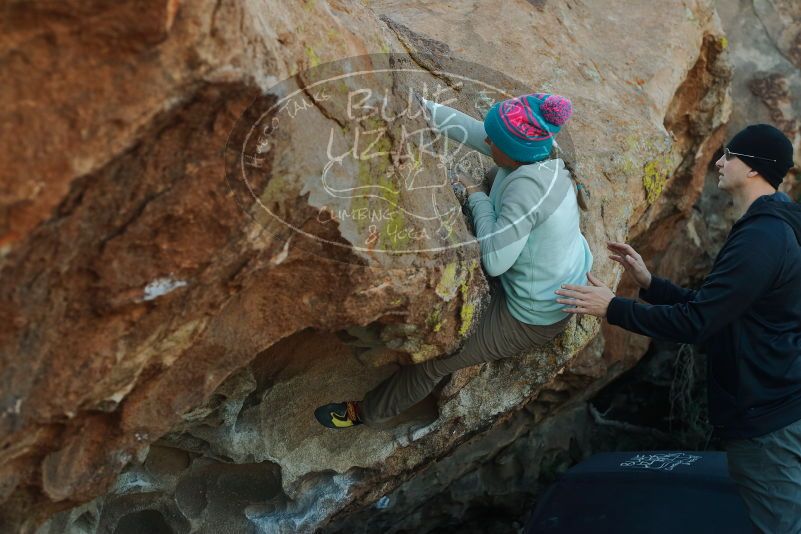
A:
<point x="338" y="414"/>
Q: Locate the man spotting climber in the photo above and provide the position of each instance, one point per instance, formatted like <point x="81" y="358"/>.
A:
<point x="528" y="232"/>
<point x="747" y="316"/>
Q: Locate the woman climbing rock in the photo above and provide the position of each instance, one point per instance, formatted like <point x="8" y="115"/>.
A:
<point x="529" y="237"/>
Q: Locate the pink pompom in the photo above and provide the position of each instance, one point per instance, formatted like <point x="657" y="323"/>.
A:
<point x="556" y="109"/>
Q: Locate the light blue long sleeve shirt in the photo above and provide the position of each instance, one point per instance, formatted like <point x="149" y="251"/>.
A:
<point x="527" y="227"/>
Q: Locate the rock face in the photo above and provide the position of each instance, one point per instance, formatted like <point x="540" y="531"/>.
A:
<point x="490" y="481"/>
<point x="174" y="307"/>
<point x="767" y="59"/>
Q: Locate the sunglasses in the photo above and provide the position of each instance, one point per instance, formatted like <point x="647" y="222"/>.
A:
<point x="729" y="155"/>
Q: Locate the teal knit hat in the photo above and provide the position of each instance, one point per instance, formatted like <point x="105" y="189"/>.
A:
<point x="524" y="127"/>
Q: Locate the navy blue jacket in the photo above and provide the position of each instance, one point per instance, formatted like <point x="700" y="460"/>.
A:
<point x="746" y="316"/>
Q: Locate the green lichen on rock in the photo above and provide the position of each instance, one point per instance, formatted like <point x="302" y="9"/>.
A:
<point x="392" y="236"/>
<point x="425" y="352"/>
<point x="456" y="279"/>
<point x="314" y="59"/>
<point x="448" y="283"/>
<point x="467" y="311"/>
<point x="654" y="179"/>
<point x="654" y="171"/>
<point x="434" y="320"/>
<point x="466" y="315"/>
<point x="377" y="188"/>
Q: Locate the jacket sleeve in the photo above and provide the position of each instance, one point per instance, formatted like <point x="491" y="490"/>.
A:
<point x="663" y="291"/>
<point x="458" y="126"/>
<point x="502" y="236"/>
<point x="744" y="271"/>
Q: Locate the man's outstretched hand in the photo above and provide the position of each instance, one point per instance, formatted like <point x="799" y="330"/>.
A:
<point x="631" y="261"/>
<point x="592" y="300"/>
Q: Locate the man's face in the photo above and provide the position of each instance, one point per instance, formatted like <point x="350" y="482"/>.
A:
<point x="501" y="159"/>
<point x="733" y="173"/>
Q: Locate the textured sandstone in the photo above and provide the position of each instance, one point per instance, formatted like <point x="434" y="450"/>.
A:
<point x="472" y="478"/>
<point x="151" y="326"/>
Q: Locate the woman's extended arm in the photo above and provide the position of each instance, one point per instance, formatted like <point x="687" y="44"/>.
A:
<point x="458" y="126"/>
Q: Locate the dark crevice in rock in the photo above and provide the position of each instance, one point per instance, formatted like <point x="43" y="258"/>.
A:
<point x="427" y="53"/>
<point x="323" y="111"/>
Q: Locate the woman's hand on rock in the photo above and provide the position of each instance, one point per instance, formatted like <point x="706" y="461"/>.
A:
<point x="460" y="190"/>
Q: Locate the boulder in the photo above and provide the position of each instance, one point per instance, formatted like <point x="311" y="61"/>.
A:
<point x="181" y="292"/>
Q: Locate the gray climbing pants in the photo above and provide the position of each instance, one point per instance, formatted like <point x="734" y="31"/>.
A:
<point x="498" y="335"/>
<point x="767" y="470"/>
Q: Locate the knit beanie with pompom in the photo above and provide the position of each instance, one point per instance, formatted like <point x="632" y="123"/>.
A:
<point x="524" y="127"/>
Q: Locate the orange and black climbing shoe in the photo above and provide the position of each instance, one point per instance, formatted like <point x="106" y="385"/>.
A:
<point x="338" y="414"/>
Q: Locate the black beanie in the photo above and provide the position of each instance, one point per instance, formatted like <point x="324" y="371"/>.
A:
<point x="768" y="142"/>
